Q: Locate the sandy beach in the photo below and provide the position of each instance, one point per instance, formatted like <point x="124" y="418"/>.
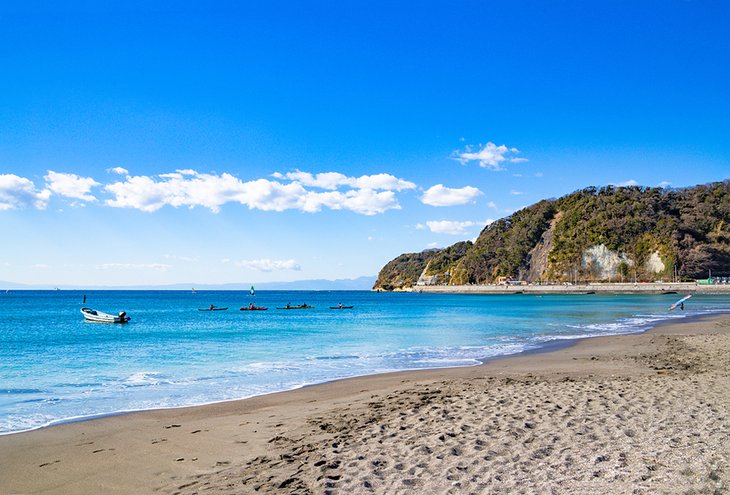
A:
<point x="641" y="413"/>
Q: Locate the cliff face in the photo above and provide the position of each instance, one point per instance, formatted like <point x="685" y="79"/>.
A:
<point x="607" y="234"/>
<point x="539" y="254"/>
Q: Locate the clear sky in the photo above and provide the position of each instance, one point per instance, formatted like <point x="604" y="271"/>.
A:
<point x="211" y="142"/>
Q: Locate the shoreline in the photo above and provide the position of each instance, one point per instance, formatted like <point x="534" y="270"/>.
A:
<point x="576" y="289"/>
<point x="168" y="449"/>
<point x="543" y="347"/>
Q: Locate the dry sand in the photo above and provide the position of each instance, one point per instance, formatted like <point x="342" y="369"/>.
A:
<point x="642" y="413"/>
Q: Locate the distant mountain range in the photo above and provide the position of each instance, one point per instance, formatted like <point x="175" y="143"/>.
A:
<point x="360" y="283"/>
<point x="592" y="235"/>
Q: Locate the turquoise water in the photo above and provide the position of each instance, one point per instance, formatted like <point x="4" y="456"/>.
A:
<point x="54" y="366"/>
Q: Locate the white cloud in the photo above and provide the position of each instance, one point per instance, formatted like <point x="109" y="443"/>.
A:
<point x="267" y="265"/>
<point x="490" y="156"/>
<point x="516" y="193"/>
<point x="363" y="201"/>
<point x="493" y="205"/>
<point x="627" y="183"/>
<point x="366" y="201"/>
<point x="366" y="195"/>
<point x="118" y="171"/>
<point x="190" y="188"/>
<point x="453" y="227"/>
<point x="19" y="192"/>
<point x="210" y="191"/>
<point x="432" y="245"/>
<point x="333" y="180"/>
<point x="539" y="174"/>
<point x="382" y="182"/>
<point x="71" y="185"/>
<point x="133" y="266"/>
<point x="439" y="195"/>
<point x="40" y="266"/>
<point x="326" y="180"/>
<point x="664" y="183"/>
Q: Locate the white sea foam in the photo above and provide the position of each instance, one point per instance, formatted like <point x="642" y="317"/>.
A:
<point x="144" y="378"/>
<point x="267" y="367"/>
<point x="634" y="324"/>
<point x="15" y="423"/>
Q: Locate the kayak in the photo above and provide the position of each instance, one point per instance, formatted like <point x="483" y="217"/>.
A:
<point x="297" y="307"/>
<point x="257" y="308"/>
<point x="341" y="307"/>
<point x="213" y="309"/>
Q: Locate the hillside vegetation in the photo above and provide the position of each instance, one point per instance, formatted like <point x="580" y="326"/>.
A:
<point x="607" y="234"/>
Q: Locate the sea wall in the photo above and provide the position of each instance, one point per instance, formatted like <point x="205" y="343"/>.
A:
<point x="598" y="288"/>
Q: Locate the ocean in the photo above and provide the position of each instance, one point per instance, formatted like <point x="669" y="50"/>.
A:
<point x="57" y="367"/>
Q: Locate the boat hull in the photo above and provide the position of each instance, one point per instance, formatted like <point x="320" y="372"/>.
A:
<point x="101" y="317"/>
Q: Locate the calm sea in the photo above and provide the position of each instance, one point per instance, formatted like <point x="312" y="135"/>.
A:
<point x="54" y="366"/>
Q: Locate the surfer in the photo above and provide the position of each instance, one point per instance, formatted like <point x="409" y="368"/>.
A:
<point x="211" y="307"/>
<point x="681" y="306"/>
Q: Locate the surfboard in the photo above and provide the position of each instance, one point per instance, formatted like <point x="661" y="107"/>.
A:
<point x="673" y="306"/>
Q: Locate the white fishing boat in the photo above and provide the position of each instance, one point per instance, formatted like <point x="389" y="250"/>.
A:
<point x="99" y="317"/>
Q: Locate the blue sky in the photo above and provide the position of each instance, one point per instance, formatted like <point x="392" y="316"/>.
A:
<point x="212" y="142"/>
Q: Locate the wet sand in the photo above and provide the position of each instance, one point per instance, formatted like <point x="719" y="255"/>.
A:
<point x="646" y="413"/>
